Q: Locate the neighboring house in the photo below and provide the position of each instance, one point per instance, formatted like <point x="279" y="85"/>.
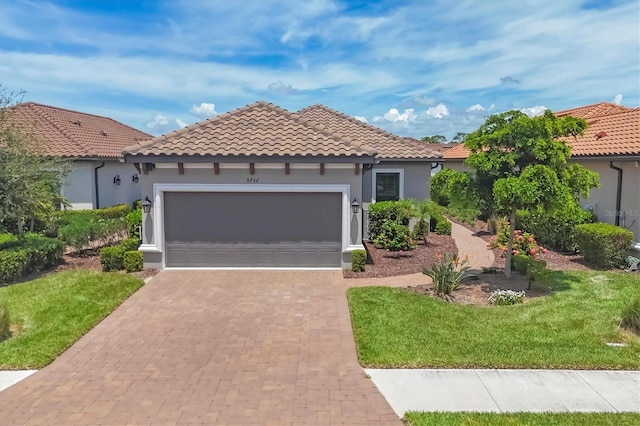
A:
<point x="94" y="144"/>
<point x="263" y="187"/>
<point x="610" y="147"/>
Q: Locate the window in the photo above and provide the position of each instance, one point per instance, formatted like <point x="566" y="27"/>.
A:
<point x="388" y="185"/>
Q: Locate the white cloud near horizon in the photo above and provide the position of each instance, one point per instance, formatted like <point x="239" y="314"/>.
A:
<point x="158" y="121"/>
<point x="618" y="99"/>
<point x="394" y="116"/>
<point x="534" y="111"/>
<point x="438" y="111"/>
<point x="204" y="110"/>
<point x="475" y="108"/>
<point x="181" y="123"/>
<point x="360" y="118"/>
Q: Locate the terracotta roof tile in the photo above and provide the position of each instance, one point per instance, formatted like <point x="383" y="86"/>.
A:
<point x="613" y="130"/>
<point x="67" y="133"/>
<point x="389" y="146"/>
<point x="259" y="129"/>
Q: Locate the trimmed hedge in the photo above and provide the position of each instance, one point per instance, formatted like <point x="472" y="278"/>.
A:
<point x="603" y="245"/>
<point x="31" y="254"/>
<point x="133" y="261"/>
<point x="358" y="259"/>
<point x="133" y="219"/>
<point x="130" y="244"/>
<point x="443" y="226"/>
<point x="554" y="229"/>
<point x="112" y="258"/>
<point x="7" y="240"/>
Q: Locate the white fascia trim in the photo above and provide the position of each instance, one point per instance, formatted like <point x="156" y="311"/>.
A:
<point x="157" y="246"/>
<point x="310" y="166"/>
<point x="149" y="248"/>
<point x="353" y="247"/>
<point x="375" y="171"/>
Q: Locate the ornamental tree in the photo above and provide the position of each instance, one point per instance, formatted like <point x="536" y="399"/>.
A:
<point x="523" y="164"/>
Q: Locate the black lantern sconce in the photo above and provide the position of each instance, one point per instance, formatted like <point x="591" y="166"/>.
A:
<point x="355" y="206"/>
<point x="116" y="180"/>
<point x="146" y="205"/>
<point x="135" y="178"/>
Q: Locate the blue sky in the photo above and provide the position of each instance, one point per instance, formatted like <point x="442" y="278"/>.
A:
<point x="415" y="68"/>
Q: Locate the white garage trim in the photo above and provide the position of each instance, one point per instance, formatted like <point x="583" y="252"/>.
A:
<point x="157" y="246"/>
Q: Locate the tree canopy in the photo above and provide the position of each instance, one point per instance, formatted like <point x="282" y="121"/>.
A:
<point x="30" y="181"/>
<point x="434" y="139"/>
<point x="521" y="162"/>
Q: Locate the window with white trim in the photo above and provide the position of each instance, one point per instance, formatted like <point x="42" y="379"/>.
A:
<point x="388" y="185"/>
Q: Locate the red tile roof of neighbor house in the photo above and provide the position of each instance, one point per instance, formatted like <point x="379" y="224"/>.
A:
<point x="73" y="134"/>
<point x="613" y="130"/>
<point x="388" y="145"/>
<point x="259" y="129"/>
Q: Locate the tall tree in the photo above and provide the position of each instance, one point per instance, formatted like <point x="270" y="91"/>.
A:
<point x="524" y="164"/>
<point x="30" y="180"/>
<point x="459" y="137"/>
<point x="434" y="139"/>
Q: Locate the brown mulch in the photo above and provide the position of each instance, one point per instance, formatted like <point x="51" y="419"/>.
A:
<point x="382" y="263"/>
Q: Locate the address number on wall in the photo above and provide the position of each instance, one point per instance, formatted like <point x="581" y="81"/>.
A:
<point x="253" y="180"/>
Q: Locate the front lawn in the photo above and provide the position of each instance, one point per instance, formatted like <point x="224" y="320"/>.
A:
<point x="529" y="419"/>
<point x="49" y="314"/>
<point x="568" y="329"/>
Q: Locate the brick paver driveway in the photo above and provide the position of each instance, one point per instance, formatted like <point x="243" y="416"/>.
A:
<point x="211" y="347"/>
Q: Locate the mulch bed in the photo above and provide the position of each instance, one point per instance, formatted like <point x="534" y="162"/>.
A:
<point x="382" y="263"/>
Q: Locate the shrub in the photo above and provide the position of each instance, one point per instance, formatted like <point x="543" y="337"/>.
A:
<point x="130" y="244"/>
<point x="631" y="315"/>
<point x="448" y="273"/>
<point x="358" y="259"/>
<point x="506" y="297"/>
<point x="520" y="263"/>
<point x="5" y="323"/>
<point x="113" y="212"/>
<point x="443" y="226"/>
<point x="43" y="251"/>
<point x="524" y="243"/>
<point x="385" y="211"/>
<point x="556" y="228"/>
<point x="7" y="240"/>
<point x="603" y="245"/>
<point x="13" y="264"/>
<point x="133" y="261"/>
<point x="395" y="237"/>
<point x="88" y="229"/>
<point x="439" y="186"/>
<point x="112" y="258"/>
<point x="133" y="219"/>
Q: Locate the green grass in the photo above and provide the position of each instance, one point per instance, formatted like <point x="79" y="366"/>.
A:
<point x="567" y="329"/>
<point x="529" y="419"/>
<point x="49" y="314"/>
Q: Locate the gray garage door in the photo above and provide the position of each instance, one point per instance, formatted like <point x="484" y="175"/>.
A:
<point x="252" y="229"/>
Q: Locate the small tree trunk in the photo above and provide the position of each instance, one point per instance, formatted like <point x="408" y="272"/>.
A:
<point x="20" y="228"/>
<point x="512" y="231"/>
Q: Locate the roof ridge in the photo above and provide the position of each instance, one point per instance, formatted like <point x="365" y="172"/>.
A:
<point x="46" y="116"/>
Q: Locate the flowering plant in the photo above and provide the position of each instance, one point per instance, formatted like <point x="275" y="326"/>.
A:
<point x="395" y="237"/>
<point x="448" y="273"/>
<point x="506" y="297"/>
<point x="524" y="243"/>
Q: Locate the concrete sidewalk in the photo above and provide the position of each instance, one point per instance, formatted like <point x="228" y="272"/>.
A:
<point x="508" y="390"/>
<point x="10" y="378"/>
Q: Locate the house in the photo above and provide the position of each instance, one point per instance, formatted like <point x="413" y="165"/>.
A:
<point x="611" y="147"/>
<point x="264" y="187"/>
<point x="99" y="177"/>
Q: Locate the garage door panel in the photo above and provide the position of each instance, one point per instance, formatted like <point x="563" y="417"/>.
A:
<point x="253" y="229"/>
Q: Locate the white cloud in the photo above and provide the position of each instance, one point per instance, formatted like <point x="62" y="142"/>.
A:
<point x="204" y="109"/>
<point x="394" y="116"/>
<point x="474" y="108"/>
<point x="181" y="123"/>
<point x="360" y="118"/>
<point x="534" y="111"/>
<point x="158" y="120"/>
<point x="618" y="99"/>
<point x="280" y="87"/>
<point x="438" y="111"/>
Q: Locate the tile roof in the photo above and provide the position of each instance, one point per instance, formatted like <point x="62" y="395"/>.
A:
<point x="389" y="146"/>
<point x="73" y="134"/>
<point x="613" y="130"/>
<point x="441" y="147"/>
<point x="259" y="129"/>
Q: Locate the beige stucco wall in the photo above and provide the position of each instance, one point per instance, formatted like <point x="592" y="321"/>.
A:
<point x="456" y="165"/>
<point x="239" y="174"/>
<point x="417" y="179"/>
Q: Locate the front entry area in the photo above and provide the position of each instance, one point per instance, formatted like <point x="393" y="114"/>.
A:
<point x="253" y="229"/>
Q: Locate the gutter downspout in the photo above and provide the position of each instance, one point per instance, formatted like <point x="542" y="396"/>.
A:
<point x="95" y="182"/>
<point x="618" y="191"/>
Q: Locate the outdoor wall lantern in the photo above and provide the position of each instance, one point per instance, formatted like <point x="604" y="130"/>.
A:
<point x="355" y="206"/>
<point x="146" y="205"/>
<point x="135" y="178"/>
<point x="116" y="179"/>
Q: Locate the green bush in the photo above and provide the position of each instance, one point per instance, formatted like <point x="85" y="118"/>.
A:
<point x="13" y="264"/>
<point x="555" y="228"/>
<point x="395" y="237"/>
<point x="603" y="245"/>
<point x="443" y="226"/>
<point x="137" y="204"/>
<point x="7" y="240"/>
<point x="447" y="274"/>
<point x="113" y="212"/>
<point x="440" y="191"/>
<point x="358" y="259"/>
<point x="133" y="261"/>
<point x="384" y="211"/>
<point x="130" y="244"/>
<point x="133" y="219"/>
<point x="520" y="263"/>
<point x="5" y="323"/>
<point x="112" y="258"/>
<point x="631" y="315"/>
<point x="90" y="230"/>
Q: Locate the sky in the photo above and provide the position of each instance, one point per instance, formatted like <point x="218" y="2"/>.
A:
<point x="414" y="68"/>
